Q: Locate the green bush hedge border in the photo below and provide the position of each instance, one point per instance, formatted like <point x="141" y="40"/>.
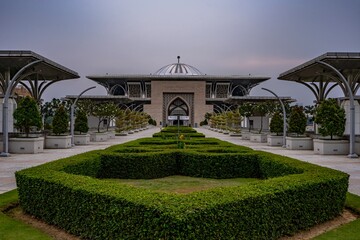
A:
<point x="294" y="195"/>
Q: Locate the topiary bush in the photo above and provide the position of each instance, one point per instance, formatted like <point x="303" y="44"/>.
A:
<point x="60" y="121"/>
<point x="297" y="120"/>
<point x="331" y="118"/>
<point x="27" y="115"/>
<point x="277" y="124"/>
<point x="294" y="195"/>
<point x="81" y="122"/>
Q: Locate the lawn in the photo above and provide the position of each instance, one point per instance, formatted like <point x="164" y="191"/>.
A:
<point x="11" y="229"/>
<point x="183" y="184"/>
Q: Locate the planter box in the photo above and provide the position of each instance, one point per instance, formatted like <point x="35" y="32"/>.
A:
<point x="58" y="141"/>
<point x="273" y="140"/>
<point x="332" y="147"/>
<point x="111" y="135"/>
<point x="82" y="139"/>
<point x="299" y="143"/>
<point x="258" y="137"/>
<point x="245" y="136"/>
<point x="235" y="134"/>
<point x="99" y="137"/>
<point x="121" y="134"/>
<point x="26" y="145"/>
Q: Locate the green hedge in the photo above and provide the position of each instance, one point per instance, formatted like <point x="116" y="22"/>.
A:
<point x="174" y="131"/>
<point x="294" y="195"/>
<point x="167" y="135"/>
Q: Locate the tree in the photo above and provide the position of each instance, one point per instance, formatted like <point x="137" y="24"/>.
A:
<point x="60" y="121"/>
<point x="247" y="110"/>
<point x="48" y="110"/>
<point x="277" y="124"/>
<point x="105" y="111"/>
<point x="331" y="118"/>
<point x="297" y="120"/>
<point x="27" y="115"/>
<point x="261" y="109"/>
<point x="81" y="122"/>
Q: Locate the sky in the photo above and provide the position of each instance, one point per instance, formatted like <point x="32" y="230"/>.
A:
<point x="219" y="37"/>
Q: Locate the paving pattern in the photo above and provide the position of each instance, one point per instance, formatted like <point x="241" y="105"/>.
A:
<point x="16" y="162"/>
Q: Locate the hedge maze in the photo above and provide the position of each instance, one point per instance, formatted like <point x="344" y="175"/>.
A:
<point x="293" y="195"/>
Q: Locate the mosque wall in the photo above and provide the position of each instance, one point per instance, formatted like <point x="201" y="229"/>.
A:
<point x="177" y="88"/>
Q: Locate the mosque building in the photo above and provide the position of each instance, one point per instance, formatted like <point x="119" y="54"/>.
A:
<point x="178" y="93"/>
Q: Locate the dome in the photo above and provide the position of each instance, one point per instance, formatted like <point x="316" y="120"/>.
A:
<point x="178" y="69"/>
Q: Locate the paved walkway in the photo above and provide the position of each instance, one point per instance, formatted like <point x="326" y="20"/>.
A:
<point x="16" y="162"/>
<point x="339" y="162"/>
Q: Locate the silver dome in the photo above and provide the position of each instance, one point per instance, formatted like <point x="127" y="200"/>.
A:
<point x="178" y="69"/>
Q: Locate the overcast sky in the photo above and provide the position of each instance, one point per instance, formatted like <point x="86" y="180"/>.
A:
<point x="258" y="37"/>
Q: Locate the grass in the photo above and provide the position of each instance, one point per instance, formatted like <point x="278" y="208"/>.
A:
<point x="350" y="231"/>
<point x="11" y="229"/>
<point x="183" y="184"/>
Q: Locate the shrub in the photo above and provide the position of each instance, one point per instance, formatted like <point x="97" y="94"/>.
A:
<point x="81" y="122"/>
<point x="294" y="196"/>
<point x="277" y="124"/>
<point x="27" y="115"/>
<point x="297" y="120"/>
<point x="331" y="118"/>
<point x="60" y="121"/>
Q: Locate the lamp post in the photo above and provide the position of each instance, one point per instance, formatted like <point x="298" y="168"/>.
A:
<point x="351" y="154"/>
<point x="72" y="114"/>
<point x="284" y="115"/>
<point x="11" y="84"/>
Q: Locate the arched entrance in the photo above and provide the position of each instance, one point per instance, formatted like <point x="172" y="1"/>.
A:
<point x="178" y="112"/>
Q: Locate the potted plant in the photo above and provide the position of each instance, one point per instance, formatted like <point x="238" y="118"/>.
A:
<point x="60" y="124"/>
<point x="81" y="127"/>
<point x="260" y="109"/>
<point x="235" y="124"/>
<point x="246" y="110"/>
<point x="276" y="127"/>
<point x="330" y="118"/>
<point x="27" y="117"/>
<point x="297" y="126"/>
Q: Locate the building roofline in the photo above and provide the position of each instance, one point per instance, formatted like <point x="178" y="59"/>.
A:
<point x="176" y="77"/>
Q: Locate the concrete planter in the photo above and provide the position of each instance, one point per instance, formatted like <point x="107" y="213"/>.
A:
<point x="235" y="134"/>
<point x="332" y="147"/>
<point x="82" y="139"/>
<point x="111" y="135"/>
<point x="26" y="145"/>
<point x="60" y="141"/>
<point x="99" y="137"/>
<point x="121" y="134"/>
<point x="299" y="143"/>
<point x="273" y="140"/>
<point x="258" y="137"/>
<point x="245" y="136"/>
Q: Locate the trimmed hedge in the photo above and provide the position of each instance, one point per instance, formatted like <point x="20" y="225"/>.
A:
<point x="175" y="129"/>
<point x="294" y="195"/>
<point x="167" y="135"/>
<point x="172" y="132"/>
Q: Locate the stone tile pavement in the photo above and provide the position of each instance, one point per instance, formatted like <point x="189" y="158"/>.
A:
<point x="16" y="162"/>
